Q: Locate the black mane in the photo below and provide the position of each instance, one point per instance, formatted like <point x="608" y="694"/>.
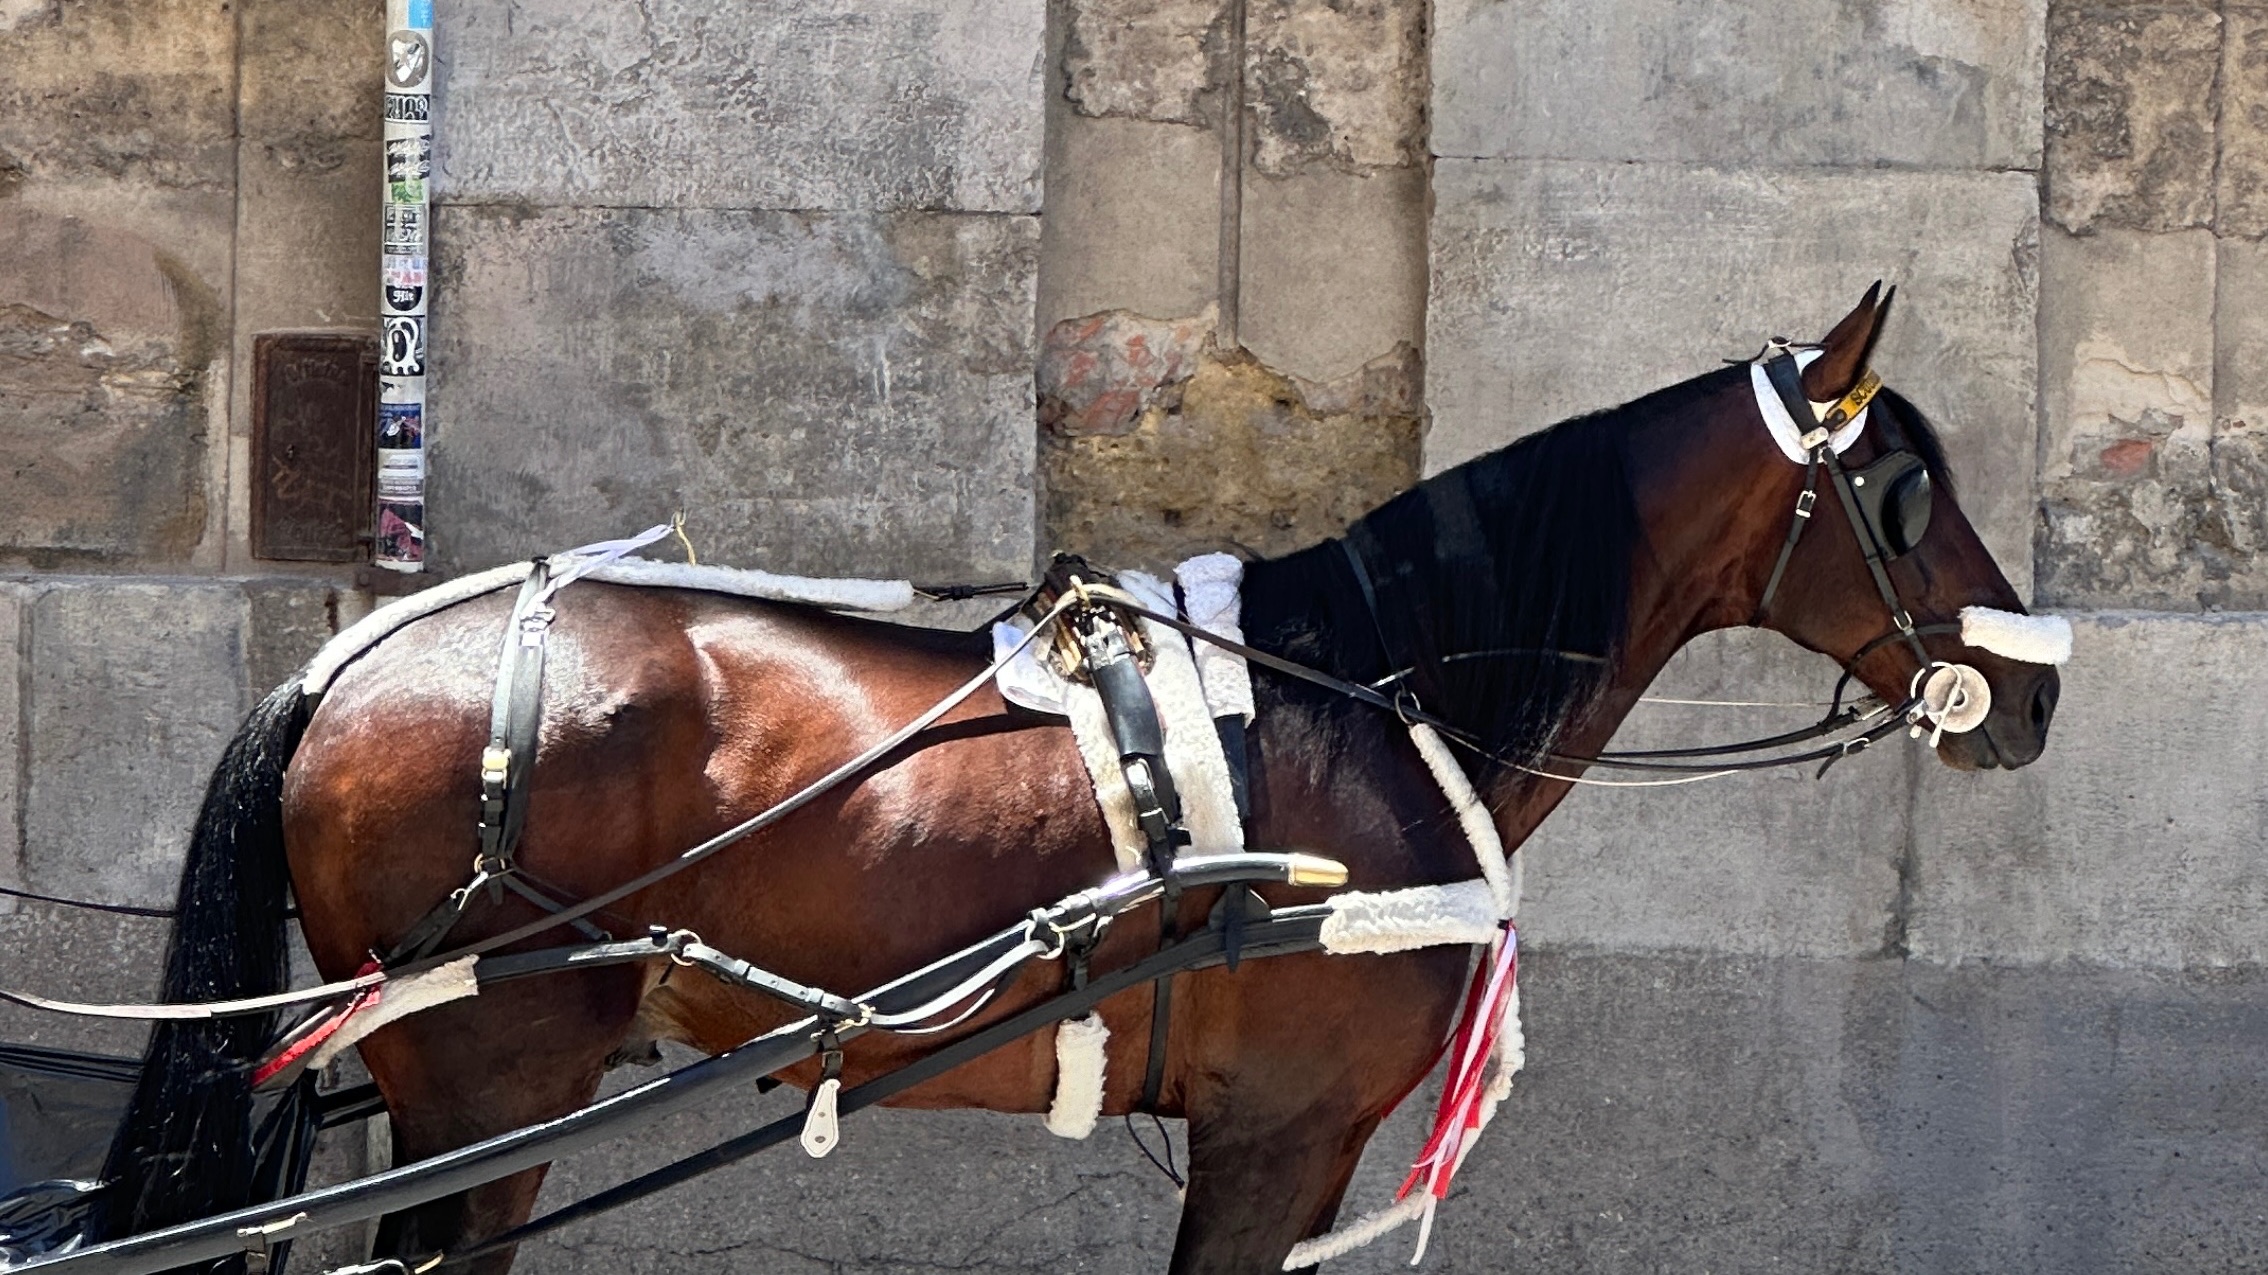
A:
<point x="1915" y="431"/>
<point x="1501" y="586"/>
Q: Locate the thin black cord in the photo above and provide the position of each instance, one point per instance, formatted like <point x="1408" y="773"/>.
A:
<point x="1166" y="1165"/>
<point x="119" y="908"/>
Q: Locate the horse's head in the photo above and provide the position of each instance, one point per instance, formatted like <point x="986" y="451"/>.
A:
<point x="1882" y="519"/>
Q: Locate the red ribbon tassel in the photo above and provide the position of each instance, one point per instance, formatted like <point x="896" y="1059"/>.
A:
<point x="1457" y="1120"/>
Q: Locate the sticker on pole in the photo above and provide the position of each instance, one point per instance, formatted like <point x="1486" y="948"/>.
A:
<point x="409" y="61"/>
<point x="402" y="348"/>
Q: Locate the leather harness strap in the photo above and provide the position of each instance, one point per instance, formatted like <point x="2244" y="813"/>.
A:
<point x="515" y="718"/>
<point x="1133" y="716"/>
<point x="514" y="715"/>
<point x="1787" y="381"/>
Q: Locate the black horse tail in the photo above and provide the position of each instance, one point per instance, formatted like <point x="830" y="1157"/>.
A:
<point x="194" y="1143"/>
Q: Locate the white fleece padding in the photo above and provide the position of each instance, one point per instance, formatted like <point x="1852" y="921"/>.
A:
<point x="2034" y="639"/>
<point x="1080" y="1055"/>
<point x="1347" y="1239"/>
<point x="1193" y="746"/>
<point x="835" y="595"/>
<point x="1401" y="920"/>
<point x="397" y="1000"/>
<point x="375" y="627"/>
<point x="1782" y="426"/>
<point x="1210" y="585"/>
<point x="1029" y="679"/>
<point x="1472" y="816"/>
<point x="847" y="594"/>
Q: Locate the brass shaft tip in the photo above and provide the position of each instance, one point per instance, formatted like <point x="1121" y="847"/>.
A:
<point x="1314" y="869"/>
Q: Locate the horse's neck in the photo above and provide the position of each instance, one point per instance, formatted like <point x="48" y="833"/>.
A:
<point x="1679" y="586"/>
<point x="1520" y="801"/>
<point x="1695" y="497"/>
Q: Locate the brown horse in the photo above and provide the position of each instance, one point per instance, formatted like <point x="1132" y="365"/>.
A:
<point x="670" y="715"/>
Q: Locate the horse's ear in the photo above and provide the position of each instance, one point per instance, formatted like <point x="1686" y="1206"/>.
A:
<point x="1832" y="375"/>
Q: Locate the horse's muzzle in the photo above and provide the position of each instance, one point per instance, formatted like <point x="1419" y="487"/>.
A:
<point x="2015" y="732"/>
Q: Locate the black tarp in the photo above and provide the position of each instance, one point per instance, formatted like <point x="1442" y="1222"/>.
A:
<point x="58" y="1110"/>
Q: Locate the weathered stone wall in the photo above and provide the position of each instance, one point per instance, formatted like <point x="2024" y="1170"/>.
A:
<point x="772" y="266"/>
<point x="1231" y="284"/>
<point x="913" y="286"/>
<point x="2154" y="472"/>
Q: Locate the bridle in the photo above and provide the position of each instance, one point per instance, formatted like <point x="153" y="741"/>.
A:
<point x="1887" y="504"/>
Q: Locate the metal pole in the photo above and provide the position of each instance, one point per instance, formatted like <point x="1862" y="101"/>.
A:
<point x="404" y="286"/>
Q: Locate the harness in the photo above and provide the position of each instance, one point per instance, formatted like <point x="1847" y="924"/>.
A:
<point x="1105" y="649"/>
<point x="1887" y="504"/>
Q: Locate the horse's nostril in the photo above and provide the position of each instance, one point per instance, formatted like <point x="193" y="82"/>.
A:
<point x="2043" y="705"/>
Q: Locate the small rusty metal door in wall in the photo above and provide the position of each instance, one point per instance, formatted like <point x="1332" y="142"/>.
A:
<point x="314" y="422"/>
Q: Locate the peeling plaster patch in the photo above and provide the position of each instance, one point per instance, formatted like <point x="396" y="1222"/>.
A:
<point x="1098" y="374"/>
<point x="2154" y="505"/>
<point x="1156" y="444"/>
<point x="1141" y="59"/>
<point x="2109" y="389"/>
<point x="1344" y="84"/>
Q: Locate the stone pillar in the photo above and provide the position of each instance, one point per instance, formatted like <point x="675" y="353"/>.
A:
<point x="1232" y="272"/>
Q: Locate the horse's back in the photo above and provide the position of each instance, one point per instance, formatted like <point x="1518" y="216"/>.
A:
<point x="668" y="716"/>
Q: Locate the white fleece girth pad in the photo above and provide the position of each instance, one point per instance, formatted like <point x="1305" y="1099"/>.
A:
<point x="1211" y="587"/>
<point x="1193" y="745"/>
<point x="1081" y="1052"/>
<point x="1186" y="701"/>
<point x="835" y="595"/>
<point x="2034" y="639"/>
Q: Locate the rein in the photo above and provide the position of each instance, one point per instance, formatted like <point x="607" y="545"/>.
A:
<point x="1409" y="712"/>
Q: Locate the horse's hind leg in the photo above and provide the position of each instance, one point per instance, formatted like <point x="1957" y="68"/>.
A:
<point x="522" y="1053"/>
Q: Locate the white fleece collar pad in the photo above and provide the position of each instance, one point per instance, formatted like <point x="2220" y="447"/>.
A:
<point x="1783" y="427"/>
<point x="2034" y="639"/>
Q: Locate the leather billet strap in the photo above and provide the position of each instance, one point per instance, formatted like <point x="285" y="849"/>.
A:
<point x="1796" y="525"/>
<point x="514" y="718"/>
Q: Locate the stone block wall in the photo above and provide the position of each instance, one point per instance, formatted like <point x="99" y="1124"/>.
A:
<point x="2154" y="474"/>
<point x="908" y="286"/>
<point x="773" y="268"/>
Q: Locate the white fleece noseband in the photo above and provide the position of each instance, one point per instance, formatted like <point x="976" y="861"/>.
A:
<point x="1783" y="427"/>
<point x="2034" y="639"/>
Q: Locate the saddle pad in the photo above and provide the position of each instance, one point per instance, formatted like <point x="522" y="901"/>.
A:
<point x="1193" y="744"/>
<point x="835" y="595"/>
